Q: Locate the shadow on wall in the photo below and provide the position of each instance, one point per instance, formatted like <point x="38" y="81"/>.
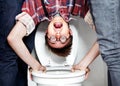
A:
<point x="97" y="76"/>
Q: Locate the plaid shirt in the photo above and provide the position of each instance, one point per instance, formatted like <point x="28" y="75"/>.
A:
<point x="64" y="7"/>
<point x="33" y="11"/>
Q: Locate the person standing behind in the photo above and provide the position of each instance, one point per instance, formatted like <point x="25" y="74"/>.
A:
<point x="106" y="16"/>
<point x="13" y="71"/>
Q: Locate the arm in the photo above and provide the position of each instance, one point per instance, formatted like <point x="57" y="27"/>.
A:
<point x="15" y="41"/>
<point x="92" y="53"/>
<point x="88" y="19"/>
<point x="89" y="57"/>
<point x="24" y="26"/>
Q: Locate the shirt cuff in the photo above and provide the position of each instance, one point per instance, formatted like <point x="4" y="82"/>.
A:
<point x="26" y="20"/>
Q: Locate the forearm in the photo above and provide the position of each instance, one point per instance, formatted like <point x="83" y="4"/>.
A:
<point x="15" y="41"/>
<point x="90" y="56"/>
<point x="89" y="20"/>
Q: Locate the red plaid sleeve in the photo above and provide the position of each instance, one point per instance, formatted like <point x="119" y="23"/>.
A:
<point x="33" y="8"/>
<point x="81" y="8"/>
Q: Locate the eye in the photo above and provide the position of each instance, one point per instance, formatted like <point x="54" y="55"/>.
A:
<point x="63" y="39"/>
<point x="52" y="39"/>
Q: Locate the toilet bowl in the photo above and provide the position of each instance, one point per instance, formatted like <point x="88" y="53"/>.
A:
<point x="59" y="76"/>
<point x="58" y="69"/>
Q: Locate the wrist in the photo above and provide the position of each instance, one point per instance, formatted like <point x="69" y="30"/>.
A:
<point x="83" y="65"/>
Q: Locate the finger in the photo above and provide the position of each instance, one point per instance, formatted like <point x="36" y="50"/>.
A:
<point x="30" y="73"/>
<point x="74" y="68"/>
<point x="31" y="78"/>
<point x="87" y="70"/>
<point x="43" y="69"/>
<point x="87" y="73"/>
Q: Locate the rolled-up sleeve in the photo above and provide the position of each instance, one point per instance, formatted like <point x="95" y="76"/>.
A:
<point x="29" y="16"/>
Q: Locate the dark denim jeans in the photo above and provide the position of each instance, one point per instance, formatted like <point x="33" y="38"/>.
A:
<point x="13" y="71"/>
<point x="106" y="14"/>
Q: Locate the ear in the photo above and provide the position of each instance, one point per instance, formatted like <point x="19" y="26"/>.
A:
<point x="46" y="31"/>
<point x="71" y="33"/>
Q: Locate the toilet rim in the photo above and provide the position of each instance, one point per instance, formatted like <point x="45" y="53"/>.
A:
<point x="68" y="73"/>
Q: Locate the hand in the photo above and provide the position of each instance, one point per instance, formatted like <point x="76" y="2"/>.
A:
<point x="38" y="67"/>
<point x="78" y="67"/>
<point x="42" y="68"/>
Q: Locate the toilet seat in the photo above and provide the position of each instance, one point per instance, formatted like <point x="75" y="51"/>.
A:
<point x="49" y="57"/>
<point x="61" y="74"/>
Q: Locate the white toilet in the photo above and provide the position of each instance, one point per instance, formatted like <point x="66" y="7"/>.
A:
<point x="59" y="76"/>
<point x="58" y="71"/>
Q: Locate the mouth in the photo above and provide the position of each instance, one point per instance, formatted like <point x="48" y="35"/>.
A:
<point x="58" y="25"/>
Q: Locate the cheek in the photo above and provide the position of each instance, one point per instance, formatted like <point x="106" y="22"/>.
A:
<point x="65" y="26"/>
<point x="50" y="28"/>
<point x="51" y="31"/>
<point x="65" y="33"/>
<point x="65" y="29"/>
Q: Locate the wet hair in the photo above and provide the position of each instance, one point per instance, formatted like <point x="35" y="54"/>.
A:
<point x="65" y="51"/>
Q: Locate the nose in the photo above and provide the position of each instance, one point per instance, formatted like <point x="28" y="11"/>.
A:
<point x="57" y="36"/>
<point x="58" y="25"/>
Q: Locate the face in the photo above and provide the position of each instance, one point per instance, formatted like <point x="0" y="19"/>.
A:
<point x="58" y="32"/>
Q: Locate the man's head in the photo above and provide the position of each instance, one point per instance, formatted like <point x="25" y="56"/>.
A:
<point x="58" y="34"/>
